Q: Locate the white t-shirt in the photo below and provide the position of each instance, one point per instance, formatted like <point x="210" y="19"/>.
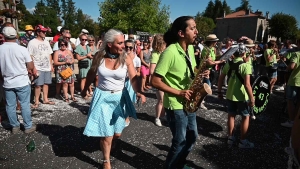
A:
<point x="136" y="61"/>
<point x="13" y="59"/>
<point x="40" y="52"/>
<point x="111" y="79"/>
<point x="55" y="47"/>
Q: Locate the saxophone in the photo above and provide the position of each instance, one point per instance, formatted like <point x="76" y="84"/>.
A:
<point x="200" y="89"/>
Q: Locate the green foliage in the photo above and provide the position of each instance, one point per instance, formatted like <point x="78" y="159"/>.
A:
<point x="226" y="8"/>
<point x="209" y="11"/>
<point x="45" y="15"/>
<point x="245" y="5"/>
<point x="283" y="26"/>
<point x="205" y="25"/>
<point x="26" y="19"/>
<point x="141" y="15"/>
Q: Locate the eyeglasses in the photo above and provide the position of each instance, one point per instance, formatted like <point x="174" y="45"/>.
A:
<point x="83" y="39"/>
<point x="130" y="47"/>
<point x="67" y="37"/>
<point x="63" y="45"/>
<point x="44" y="32"/>
<point x="91" y="40"/>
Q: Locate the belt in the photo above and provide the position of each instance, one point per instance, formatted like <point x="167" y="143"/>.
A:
<point x="114" y="91"/>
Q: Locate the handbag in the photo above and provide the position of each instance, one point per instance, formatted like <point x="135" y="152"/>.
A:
<point x="83" y="64"/>
<point x="65" y="74"/>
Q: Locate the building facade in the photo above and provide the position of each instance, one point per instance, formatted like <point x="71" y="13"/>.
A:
<point x="8" y="12"/>
<point x="244" y="23"/>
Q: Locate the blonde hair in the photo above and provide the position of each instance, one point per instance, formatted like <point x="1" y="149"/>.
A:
<point x="158" y="43"/>
<point x="109" y="37"/>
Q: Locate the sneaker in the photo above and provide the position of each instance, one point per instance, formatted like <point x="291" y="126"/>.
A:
<point x="15" y="130"/>
<point x="280" y="88"/>
<point x="32" y="129"/>
<point x="158" y="122"/>
<point x="230" y="140"/>
<point x="202" y="106"/>
<point x="288" y="123"/>
<point x="245" y="144"/>
<point x="57" y="96"/>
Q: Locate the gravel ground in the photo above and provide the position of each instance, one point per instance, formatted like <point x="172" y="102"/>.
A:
<point x="61" y="144"/>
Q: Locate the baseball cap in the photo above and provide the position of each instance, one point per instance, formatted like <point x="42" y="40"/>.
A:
<point x="84" y="31"/>
<point x="40" y="28"/>
<point x="58" y="28"/>
<point x="9" y="32"/>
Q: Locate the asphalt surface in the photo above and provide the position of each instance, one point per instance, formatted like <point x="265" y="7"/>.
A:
<point x="61" y="144"/>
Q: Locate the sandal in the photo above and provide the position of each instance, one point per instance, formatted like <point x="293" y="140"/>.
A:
<point x="67" y="100"/>
<point x="34" y="106"/>
<point x="73" y="99"/>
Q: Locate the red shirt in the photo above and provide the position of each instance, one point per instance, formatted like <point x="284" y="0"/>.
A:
<point x="56" y="37"/>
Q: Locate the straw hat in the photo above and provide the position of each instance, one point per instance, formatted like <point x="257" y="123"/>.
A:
<point x="211" y="37"/>
<point x="28" y="28"/>
<point x="249" y="43"/>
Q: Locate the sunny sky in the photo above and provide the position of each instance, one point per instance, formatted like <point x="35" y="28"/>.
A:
<point x="191" y="7"/>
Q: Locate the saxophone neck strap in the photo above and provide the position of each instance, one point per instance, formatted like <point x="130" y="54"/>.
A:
<point x="189" y="64"/>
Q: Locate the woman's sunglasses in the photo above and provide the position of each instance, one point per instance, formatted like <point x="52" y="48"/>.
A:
<point x="83" y="39"/>
<point x="63" y="45"/>
<point x="129" y="47"/>
<point x="91" y="40"/>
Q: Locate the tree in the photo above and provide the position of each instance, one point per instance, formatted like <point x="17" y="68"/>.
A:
<point x="218" y="9"/>
<point x="142" y="15"/>
<point x="69" y="15"/>
<point x="283" y="26"/>
<point x="86" y="22"/>
<point x="46" y="16"/>
<point x="27" y="17"/>
<point x="54" y="4"/>
<point x="204" y="25"/>
<point x="209" y="11"/>
<point x="226" y="8"/>
<point x="244" y="6"/>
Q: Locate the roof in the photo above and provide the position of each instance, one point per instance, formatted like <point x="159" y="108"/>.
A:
<point x="241" y="14"/>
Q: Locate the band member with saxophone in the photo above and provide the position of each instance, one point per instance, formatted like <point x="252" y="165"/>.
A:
<point x="208" y="53"/>
<point x="172" y="75"/>
<point x="239" y="95"/>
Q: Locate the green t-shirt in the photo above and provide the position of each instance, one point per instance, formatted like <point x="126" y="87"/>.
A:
<point x="236" y="90"/>
<point x="212" y="54"/>
<point x="294" y="79"/>
<point x="266" y="54"/>
<point x="175" y="72"/>
<point x="154" y="57"/>
<point x="82" y="52"/>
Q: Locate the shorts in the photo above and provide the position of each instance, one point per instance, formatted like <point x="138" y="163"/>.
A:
<point x="272" y="73"/>
<point x="238" y="107"/>
<point x="145" y="71"/>
<point x="45" y="77"/>
<point x="292" y="92"/>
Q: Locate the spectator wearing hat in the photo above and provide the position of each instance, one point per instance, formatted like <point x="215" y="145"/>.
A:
<point x="15" y="63"/>
<point x="40" y="52"/>
<point x="239" y="95"/>
<point x="83" y="32"/>
<point x="27" y="37"/>
<point x="209" y="54"/>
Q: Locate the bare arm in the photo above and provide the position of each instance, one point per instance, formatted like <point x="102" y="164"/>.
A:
<point x="79" y="57"/>
<point x="157" y="82"/>
<point x="291" y="66"/>
<point x="249" y="89"/>
<point x="55" y="60"/>
<point x="152" y="68"/>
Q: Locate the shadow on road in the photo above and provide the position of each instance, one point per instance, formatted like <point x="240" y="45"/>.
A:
<point x="69" y="141"/>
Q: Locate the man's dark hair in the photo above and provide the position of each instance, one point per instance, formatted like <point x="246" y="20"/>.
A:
<point x="63" y="29"/>
<point x="171" y="36"/>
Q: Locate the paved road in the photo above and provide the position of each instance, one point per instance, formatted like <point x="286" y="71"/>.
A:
<point x="61" y="144"/>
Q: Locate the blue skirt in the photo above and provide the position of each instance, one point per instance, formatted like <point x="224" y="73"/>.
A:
<point x="130" y="90"/>
<point x="107" y="113"/>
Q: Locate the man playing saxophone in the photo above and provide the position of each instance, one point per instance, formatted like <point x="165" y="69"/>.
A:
<point x="173" y="75"/>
